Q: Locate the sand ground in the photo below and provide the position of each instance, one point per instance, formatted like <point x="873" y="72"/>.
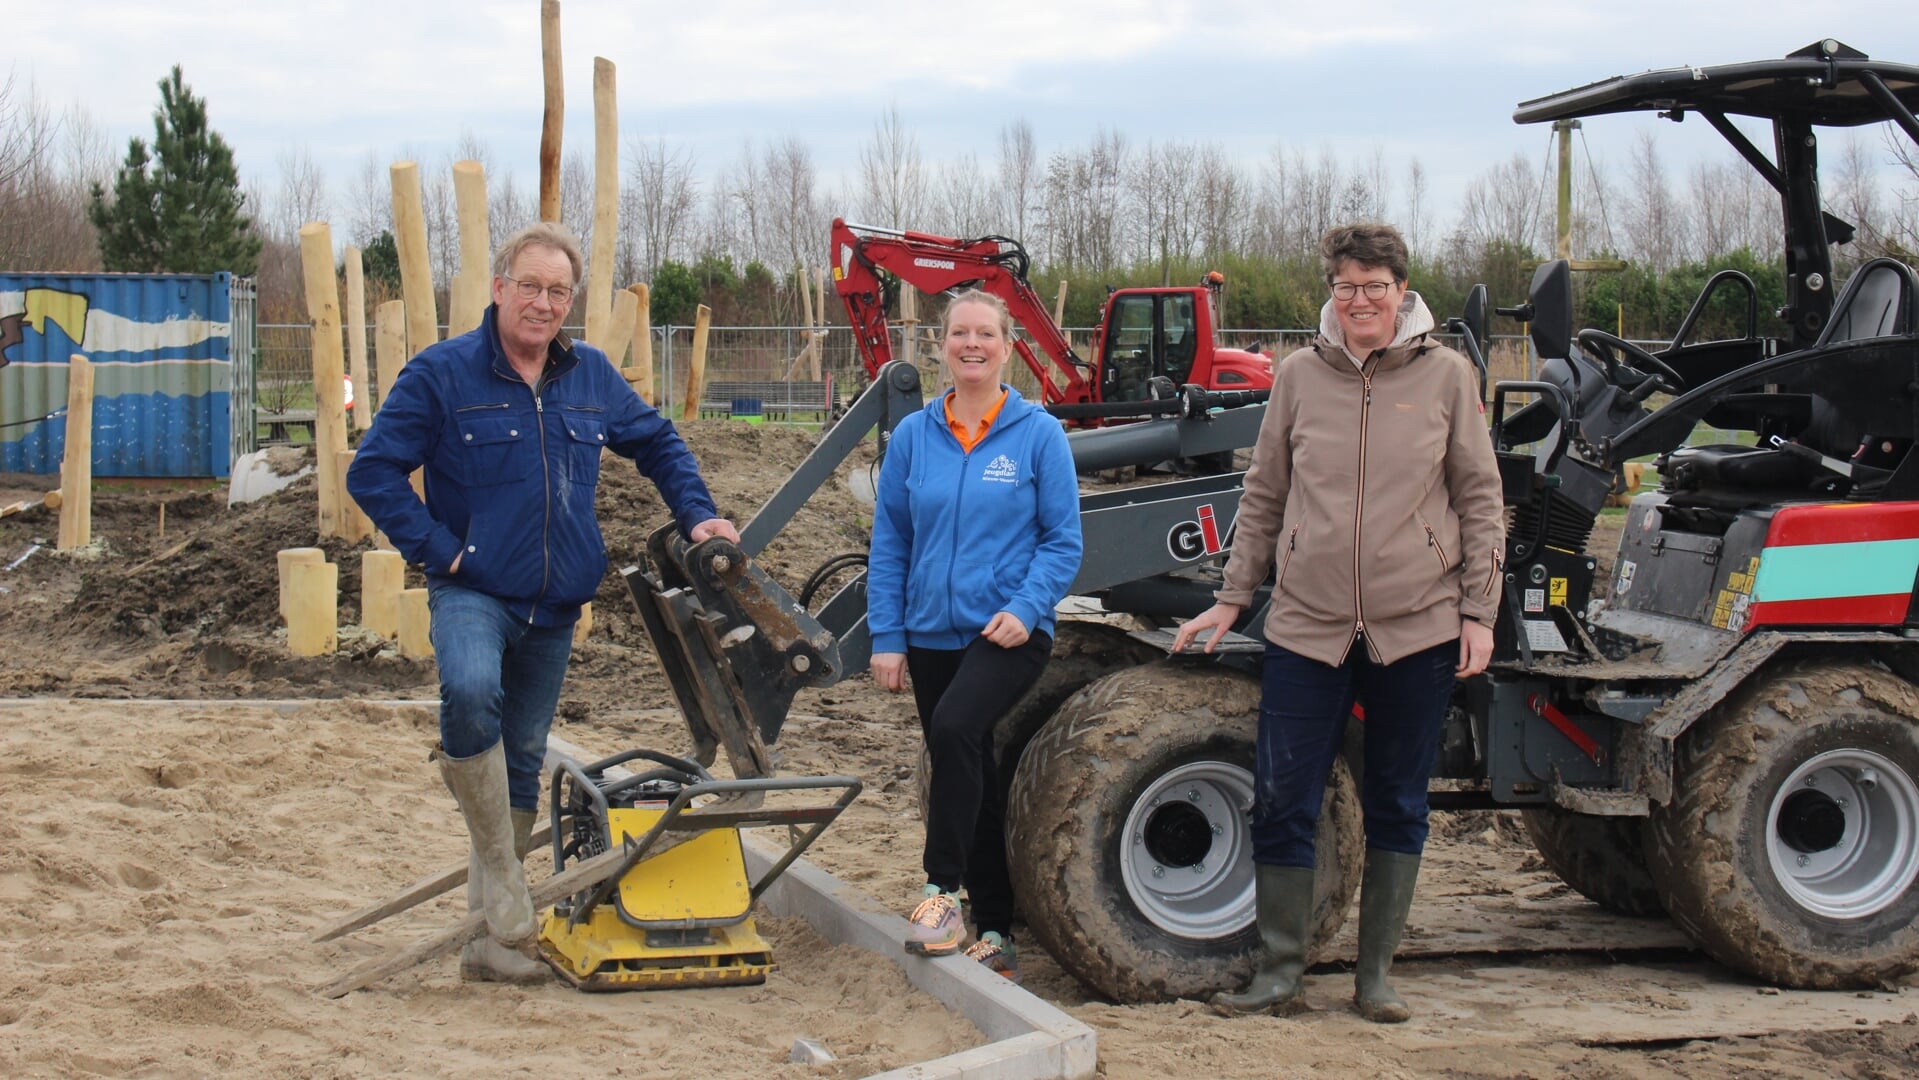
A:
<point x="184" y="803"/>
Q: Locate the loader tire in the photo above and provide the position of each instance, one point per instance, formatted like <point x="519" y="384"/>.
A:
<point x="1082" y="652"/>
<point x="1129" y="838"/>
<point x="1790" y="850"/>
<point x="1602" y="858"/>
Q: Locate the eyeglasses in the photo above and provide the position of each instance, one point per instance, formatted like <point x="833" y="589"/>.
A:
<point x="1375" y="290"/>
<point x="560" y="295"/>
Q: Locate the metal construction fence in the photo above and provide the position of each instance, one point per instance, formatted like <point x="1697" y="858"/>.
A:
<point x="283" y="373"/>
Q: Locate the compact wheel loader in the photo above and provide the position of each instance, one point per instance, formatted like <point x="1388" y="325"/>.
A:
<point x="1730" y="734"/>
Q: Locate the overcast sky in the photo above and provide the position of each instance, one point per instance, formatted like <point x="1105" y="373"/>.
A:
<point x="1423" y="79"/>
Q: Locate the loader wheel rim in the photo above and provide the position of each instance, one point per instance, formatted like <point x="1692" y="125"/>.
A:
<point x="1843" y="833"/>
<point x="1186" y="854"/>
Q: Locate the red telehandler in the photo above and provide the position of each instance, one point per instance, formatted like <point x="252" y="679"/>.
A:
<point x="1145" y="335"/>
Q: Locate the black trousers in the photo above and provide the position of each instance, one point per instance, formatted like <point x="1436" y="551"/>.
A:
<point x="962" y="695"/>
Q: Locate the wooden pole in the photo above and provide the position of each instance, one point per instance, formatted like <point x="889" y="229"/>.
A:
<point x="329" y="367"/>
<point x="416" y="275"/>
<point x="382" y="576"/>
<point x="606" y="201"/>
<point x="555" y="116"/>
<point x="76" y="461"/>
<point x="287" y="559"/>
<point x="389" y="346"/>
<point x="417" y="893"/>
<point x="1059" y="305"/>
<point x="696" y="370"/>
<point x="313" y="608"/>
<point x="909" y="322"/>
<point x="819" y="281"/>
<point x="471" y="291"/>
<point x="362" y="413"/>
<point x="585" y="626"/>
<point x="575" y="877"/>
<point x="415" y="624"/>
<point x="355" y="526"/>
<point x="640" y="374"/>
<point x="625" y="310"/>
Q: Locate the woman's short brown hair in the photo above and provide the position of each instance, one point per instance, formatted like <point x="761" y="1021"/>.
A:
<point x="1368" y="244"/>
<point x="978" y="296"/>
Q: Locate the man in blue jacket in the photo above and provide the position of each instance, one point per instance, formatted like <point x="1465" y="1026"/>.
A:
<point x="508" y="422"/>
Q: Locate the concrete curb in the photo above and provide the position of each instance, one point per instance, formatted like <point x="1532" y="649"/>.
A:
<point x="1032" y="1040"/>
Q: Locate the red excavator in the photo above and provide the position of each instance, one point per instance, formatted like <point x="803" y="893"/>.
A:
<point x="1150" y="343"/>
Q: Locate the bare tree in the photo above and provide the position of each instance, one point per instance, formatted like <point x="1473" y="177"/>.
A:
<point x="1506" y="203"/>
<point x="1219" y="195"/>
<point x="1852" y="193"/>
<point x="1416" y="206"/>
<point x="893" y="179"/>
<point x="1082" y="204"/>
<point x="1655" y="230"/>
<point x="1019" y="176"/>
<point x="796" y="218"/>
<point x="664" y="196"/>
<point x="47" y="168"/>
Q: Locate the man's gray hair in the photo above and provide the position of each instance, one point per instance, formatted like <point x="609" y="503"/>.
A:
<point x="548" y="234"/>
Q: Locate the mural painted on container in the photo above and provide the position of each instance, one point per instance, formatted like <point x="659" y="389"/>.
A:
<point x="159" y="346"/>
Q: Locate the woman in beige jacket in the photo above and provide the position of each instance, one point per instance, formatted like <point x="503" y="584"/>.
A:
<point x="1374" y="499"/>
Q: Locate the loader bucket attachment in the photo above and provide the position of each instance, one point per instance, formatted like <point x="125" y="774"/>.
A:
<point x="735" y="646"/>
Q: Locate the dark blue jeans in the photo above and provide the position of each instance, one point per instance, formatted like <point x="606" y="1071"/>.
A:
<point x="1302" y="723"/>
<point x="499" y="682"/>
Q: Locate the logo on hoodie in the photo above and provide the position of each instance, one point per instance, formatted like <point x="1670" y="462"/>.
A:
<point x="1001" y="469"/>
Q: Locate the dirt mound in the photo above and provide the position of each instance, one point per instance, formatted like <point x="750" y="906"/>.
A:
<point x="192" y="611"/>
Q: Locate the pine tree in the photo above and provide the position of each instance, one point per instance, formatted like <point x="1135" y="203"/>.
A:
<point x="180" y="208"/>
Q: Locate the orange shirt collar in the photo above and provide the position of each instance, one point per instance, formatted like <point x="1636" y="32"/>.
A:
<point x="969" y="439"/>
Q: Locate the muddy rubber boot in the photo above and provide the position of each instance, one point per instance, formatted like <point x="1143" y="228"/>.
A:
<point x="1284" y="895"/>
<point x="1385" y="896"/>
<point x="484" y="959"/>
<point x="479" y="784"/>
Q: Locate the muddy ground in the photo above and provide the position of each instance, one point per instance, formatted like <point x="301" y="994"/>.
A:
<point x="161" y="865"/>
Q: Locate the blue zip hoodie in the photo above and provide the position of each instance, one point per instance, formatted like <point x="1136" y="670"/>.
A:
<point x="959" y="537"/>
<point x="510" y="475"/>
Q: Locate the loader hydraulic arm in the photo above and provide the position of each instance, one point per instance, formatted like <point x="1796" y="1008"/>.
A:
<point x="934" y="264"/>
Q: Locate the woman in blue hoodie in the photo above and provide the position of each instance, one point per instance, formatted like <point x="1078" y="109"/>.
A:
<point x="975" y="540"/>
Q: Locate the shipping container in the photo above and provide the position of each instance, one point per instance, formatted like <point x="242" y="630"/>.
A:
<point x="168" y="351"/>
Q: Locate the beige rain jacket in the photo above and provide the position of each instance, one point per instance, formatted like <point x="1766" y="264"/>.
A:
<point x="1375" y="491"/>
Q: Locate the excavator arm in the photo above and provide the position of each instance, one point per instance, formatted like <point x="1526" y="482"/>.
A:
<point x="934" y="264"/>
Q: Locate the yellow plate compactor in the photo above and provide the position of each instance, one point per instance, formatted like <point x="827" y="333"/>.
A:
<point x="677" y="910"/>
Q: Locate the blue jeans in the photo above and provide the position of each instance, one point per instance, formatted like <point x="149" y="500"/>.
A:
<point x="1302" y="723"/>
<point x="499" y="682"/>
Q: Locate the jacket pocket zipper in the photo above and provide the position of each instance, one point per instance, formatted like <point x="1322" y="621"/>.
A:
<point x="1499" y="563"/>
<point x="478" y="408"/>
<point x="1432" y="541"/>
<point x="1292" y="541"/>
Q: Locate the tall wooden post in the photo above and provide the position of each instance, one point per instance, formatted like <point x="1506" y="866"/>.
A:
<point x="696" y="370"/>
<point x="1563" y="234"/>
<point x="555" y="116"/>
<point x="640" y="374"/>
<point x="329" y="413"/>
<point x="362" y="414"/>
<point x="606" y="201"/>
<point x="382" y="576"/>
<point x="76" y="461"/>
<point x="620" y="332"/>
<point x="819" y="303"/>
<point x="416" y="275"/>
<point x="389" y="345"/>
<point x="470" y="295"/>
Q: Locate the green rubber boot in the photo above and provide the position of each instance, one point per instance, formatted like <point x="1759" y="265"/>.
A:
<point x="484" y="959"/>
<point x="1385" y="896"/>
<point x="1285" y="912"/>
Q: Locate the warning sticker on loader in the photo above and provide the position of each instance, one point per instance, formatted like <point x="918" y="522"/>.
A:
<point x="1543" y="636"/>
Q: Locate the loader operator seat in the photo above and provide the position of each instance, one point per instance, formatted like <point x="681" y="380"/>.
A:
<point x="1877" y="302"/>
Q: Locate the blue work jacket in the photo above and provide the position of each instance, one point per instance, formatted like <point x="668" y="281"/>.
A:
<point x="510" y="473"/>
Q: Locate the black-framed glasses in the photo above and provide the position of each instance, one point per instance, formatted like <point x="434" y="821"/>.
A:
<point x="1374" y="290"/>
<point x="560" y="295"/>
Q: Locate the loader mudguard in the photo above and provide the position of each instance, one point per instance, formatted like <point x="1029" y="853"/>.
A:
<point x="1665" y="725"/>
